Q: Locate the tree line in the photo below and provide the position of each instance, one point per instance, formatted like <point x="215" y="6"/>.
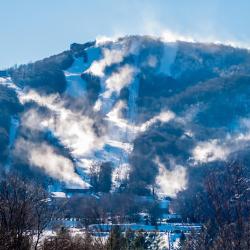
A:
<point x="221" y="204"/>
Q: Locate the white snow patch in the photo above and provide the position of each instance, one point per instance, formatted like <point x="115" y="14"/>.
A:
<point x="58" y="194"/>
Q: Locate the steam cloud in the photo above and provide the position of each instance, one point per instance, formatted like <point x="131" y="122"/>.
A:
<point x="220" y="149"/>
<point x="170" y="182"/>
<point x="115" y="116"/>
<point x="109" y="57"/>
<point x="210" y="151"/>
<point x="119" y="80"/>
<point x="44" y="157"/>
<point x="73" y="129"/>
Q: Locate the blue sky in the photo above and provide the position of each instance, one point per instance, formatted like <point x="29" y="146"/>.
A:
<point x="34" y="29"/>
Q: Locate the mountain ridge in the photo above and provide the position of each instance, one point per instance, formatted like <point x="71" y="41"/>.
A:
<point x="87" y="106"/>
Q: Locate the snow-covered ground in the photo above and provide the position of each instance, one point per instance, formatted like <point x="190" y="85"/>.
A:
<point x="108" y="62"/>
<point x="166" y="236"/>
<point x="120" y="130"/>
<point x="167" y="227"/>
<point x="14" y="121"/>
<point x="14" y="124"/>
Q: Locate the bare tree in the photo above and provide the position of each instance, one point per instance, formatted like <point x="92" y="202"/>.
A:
<point x="228" y="194"/>
<point x="64" y="240"/>
<point x="24" y="213"/>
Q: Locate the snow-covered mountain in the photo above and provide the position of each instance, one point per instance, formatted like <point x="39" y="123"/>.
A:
<point x="157" y="111"/>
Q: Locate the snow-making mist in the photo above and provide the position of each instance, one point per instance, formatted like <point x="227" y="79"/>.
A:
<point x="155" y="111"/>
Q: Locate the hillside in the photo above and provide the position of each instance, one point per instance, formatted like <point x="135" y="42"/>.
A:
<point x="149" y="114"/>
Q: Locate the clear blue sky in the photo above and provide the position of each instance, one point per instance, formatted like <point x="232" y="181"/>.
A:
<point x="34" y="29"/>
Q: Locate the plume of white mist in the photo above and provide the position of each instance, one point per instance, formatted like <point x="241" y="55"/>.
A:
<point x="110" y="56"/>
<point x="127" y="147"/>
<point x="167" y="35"/>
<point x="114" y="84"/>
<point x="220" y="149"/>
<point x="119" y="80"/>
<point x="210" y="151"/>
<point x="115" y="116"/>
<point x="170" y="182"/>
<point x="9" y="83"/>
<point x="45" y="157"/>
<point x="171" y="37"/>
<point x="33" y="120"/>
<point x="42" y="100"/>
<point x="164" y="117"/>
<point x="154" y="27"/>
<point x="73" y="129"/>
<point x="100" y="40"/>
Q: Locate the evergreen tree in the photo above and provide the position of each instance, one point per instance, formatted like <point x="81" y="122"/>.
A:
<point x="105" y="177"/>
<point x="116" y="239"/>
